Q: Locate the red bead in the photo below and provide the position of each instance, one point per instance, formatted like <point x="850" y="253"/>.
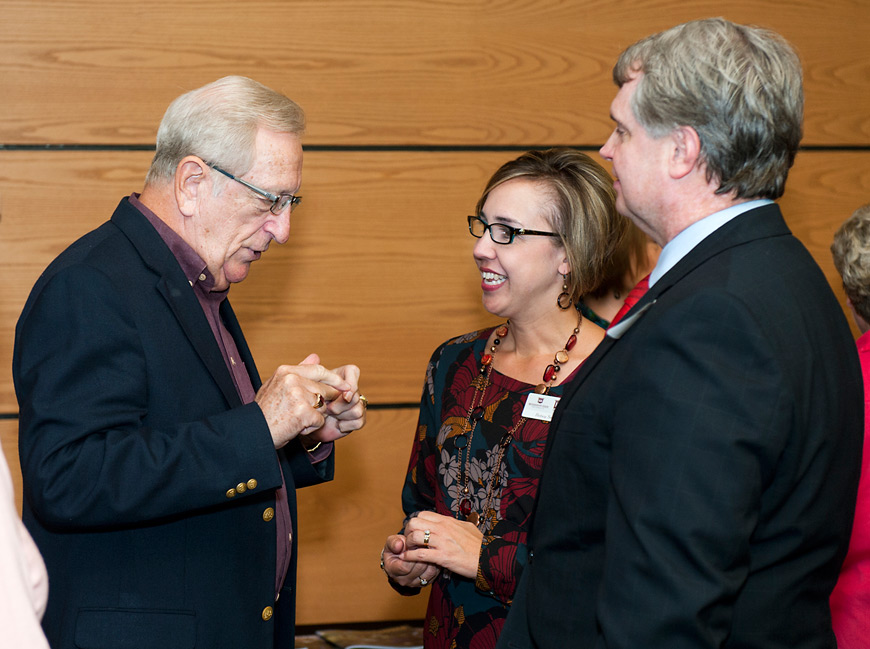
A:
<point x="549" y="373"/>
<point x="502" y="331"/>
<point x="571" y="342"/>
<point x="486" y="360"/>
<point x="465" y="507"/>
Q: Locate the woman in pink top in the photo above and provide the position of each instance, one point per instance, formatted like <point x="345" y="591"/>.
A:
<point x="850" y="601"/>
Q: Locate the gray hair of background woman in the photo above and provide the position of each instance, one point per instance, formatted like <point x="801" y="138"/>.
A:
<point x="219" y="122"/>
<point x="581" y="210"/>
<point x="851" y="251"/>
<point x="739" y="87"/>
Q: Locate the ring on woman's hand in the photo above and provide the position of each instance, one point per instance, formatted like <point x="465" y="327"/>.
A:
<point x="423" y="582"/>
<point x="425" y="538"/>
<point x="364" y="401"/>
<point x="318" y="402"/>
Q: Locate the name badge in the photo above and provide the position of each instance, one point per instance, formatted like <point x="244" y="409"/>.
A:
<point x="540" y="406"/>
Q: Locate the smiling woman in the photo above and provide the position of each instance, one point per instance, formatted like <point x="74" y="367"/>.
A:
<point x="489" y="395"/>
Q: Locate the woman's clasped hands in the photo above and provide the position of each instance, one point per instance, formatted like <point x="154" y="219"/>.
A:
<point x="429" y="543"/>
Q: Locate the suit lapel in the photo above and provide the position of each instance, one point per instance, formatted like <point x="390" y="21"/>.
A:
<point x="759" y="223"/>
<point x="618" y="330"/>
<point x="175" y="289"/>
<point x="232" y="324"/>
<point x="189" y="314"/>
<point x="571" y="388"/>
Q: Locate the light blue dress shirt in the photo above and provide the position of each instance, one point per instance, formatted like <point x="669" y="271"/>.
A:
<point x="685" y="241"/>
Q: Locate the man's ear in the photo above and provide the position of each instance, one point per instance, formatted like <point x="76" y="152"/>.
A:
<point x="190" y="184"/>
<point x="686" y="152"/>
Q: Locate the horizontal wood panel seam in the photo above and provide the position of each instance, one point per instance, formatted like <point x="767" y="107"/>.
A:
<point x="387" y="148"/>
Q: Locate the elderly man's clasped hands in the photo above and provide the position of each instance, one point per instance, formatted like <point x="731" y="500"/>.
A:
<point x="308" y="399"/>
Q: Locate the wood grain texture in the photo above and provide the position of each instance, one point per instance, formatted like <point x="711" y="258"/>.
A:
<point x="378" y="270"/>
<point x="823" y="190"/>
<point x="418" y="72"/>
<point x="343" y="525"/>
<point x="9" y="447"/>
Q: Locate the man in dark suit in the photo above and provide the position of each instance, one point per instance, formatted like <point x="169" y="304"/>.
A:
<point x="159" y="474"/>
<point x="701" y="478"/>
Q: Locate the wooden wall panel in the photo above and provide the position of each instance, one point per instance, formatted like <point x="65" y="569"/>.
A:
<point x="442" y="72"/>
<point x="823" y="190"/>
<point x="9" y="447"/>
<point x="378" y="270"/>
<point x="343" y="525"/>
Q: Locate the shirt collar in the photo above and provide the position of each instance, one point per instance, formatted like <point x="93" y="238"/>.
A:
<point x="193" y="266"/>
<point x="685" y="241"/>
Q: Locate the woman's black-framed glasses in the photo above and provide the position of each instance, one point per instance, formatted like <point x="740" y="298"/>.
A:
<point x="279" y="201"/>
<point x="499" y="232"/>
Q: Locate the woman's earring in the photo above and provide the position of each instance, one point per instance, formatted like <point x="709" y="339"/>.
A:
<point x="564" y="299"/>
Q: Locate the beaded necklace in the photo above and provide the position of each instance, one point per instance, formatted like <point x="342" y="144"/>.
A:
<point x="475" y="414"/>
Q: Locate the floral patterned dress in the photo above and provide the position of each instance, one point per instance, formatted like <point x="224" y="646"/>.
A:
<point x="465" y="613"/>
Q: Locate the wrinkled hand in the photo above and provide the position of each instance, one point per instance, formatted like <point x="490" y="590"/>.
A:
<point x="403" y="572"/>
<point x="344" y="414"/>
<point x="288" y="397"/>
<point x="453" y="544"/>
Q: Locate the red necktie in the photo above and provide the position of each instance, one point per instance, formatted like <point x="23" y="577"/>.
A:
<point x="631" y="299"/>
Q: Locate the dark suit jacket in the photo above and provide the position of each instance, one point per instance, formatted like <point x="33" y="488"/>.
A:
<point x="131" y="436"/>
<point x="701" y="479"/>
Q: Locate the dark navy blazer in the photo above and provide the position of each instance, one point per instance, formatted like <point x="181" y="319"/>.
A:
<point x="133" y="441"/>
<point x="700" y="481"/>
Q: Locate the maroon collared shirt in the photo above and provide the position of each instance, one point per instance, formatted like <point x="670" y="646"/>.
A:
<point x="202" y="281"/>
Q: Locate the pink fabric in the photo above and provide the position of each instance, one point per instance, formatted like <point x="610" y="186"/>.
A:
<point x="850" y="601"/>
<point x="631" y="299"/>
<point x="23" y="579"/>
